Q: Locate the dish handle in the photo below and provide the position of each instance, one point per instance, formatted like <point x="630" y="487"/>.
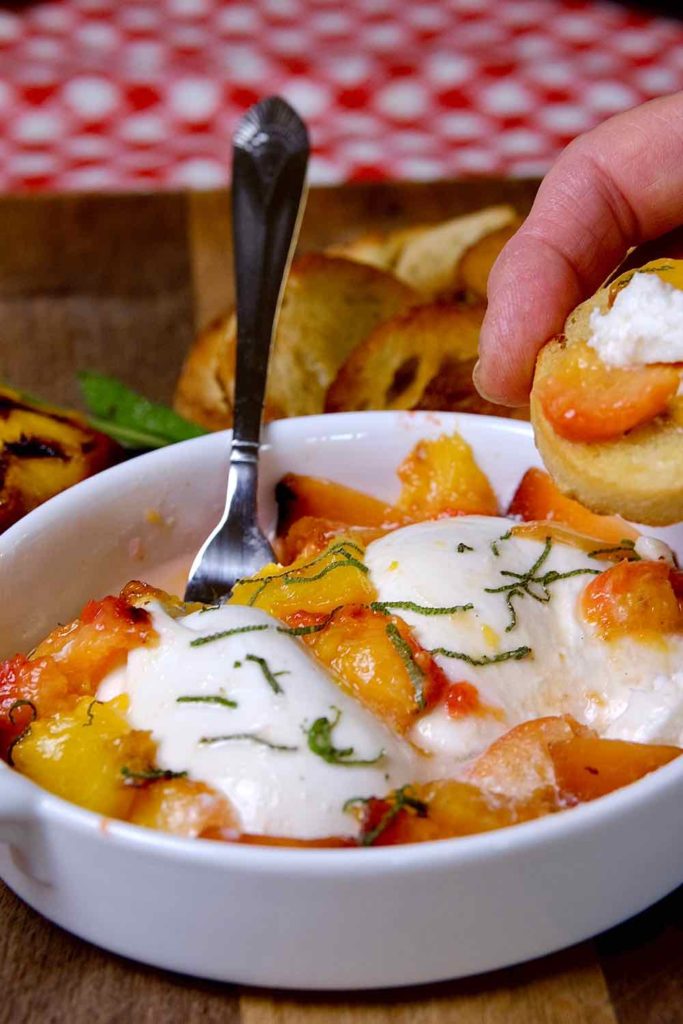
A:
<point x="19" y="821"/>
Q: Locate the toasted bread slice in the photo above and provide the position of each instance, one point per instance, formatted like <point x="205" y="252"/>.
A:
<point x="206" y="386"/>
<point x="430" y="261"/>
<point x="330" y="305"/>
<point x="394" y="365"/>
<point x="378" y="249"/>
<point x="452" y="389"/>
<point x="200" y="395"/>
<point x="477" y="261"/>
<point x="439" y="260"/>
<point x="639" y="474"/>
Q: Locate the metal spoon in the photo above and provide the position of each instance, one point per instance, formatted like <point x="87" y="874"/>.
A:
<point x="270" y="156"/>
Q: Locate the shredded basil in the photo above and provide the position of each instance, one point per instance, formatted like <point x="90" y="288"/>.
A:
<point x="523" y="583"/>
<point x="287" y="630"/>
<point x="495" y="543"/>
<point x="134" y="778"/>
<point x="209" y="698"/>
<point x="91" y="712"/>
<point x="517" y="654"/>
<point x="402" y="800"/>
<point x="269" y="676"/>
<point x="354" y="562"/>
<point x="622" y="282"/>
<point x="201" y="640"/>
<point x="420" y="609"/>
<point x="344" y="549"/>
<point x="624" y="545"/>
<point x="250" y="736"/>
<point x="417" y="676"/>
<point x="463" y="547"/>
<point x="320" y="743"/>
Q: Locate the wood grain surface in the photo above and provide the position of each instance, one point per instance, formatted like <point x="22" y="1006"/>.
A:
<point x="120" y="284"/>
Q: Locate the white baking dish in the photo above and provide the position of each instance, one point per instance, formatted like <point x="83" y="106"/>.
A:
<point x="302" y="918"/>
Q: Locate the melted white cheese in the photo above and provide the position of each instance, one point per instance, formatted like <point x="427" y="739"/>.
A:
<point x="644" y="325"/>
<point x="291" y="793"/>
<point x="622" y="689"/>
<point x="651" y="549"/>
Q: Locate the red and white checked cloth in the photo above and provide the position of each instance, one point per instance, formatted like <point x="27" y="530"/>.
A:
<point x="114" y="94"/>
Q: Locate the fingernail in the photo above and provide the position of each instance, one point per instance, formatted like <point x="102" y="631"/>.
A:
<point x="496" y="399"/>
<point x="476" y="374"/>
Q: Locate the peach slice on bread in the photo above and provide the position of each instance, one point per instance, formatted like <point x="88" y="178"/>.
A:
<point x="610" y="435"/>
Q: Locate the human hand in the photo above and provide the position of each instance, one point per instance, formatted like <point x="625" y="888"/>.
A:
<point x="617" y="186"/>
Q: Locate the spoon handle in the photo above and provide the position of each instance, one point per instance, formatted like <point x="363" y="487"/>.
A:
<point x="270" y="154"/>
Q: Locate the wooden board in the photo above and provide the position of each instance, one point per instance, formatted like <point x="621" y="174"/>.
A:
<point x="120" y="284"/>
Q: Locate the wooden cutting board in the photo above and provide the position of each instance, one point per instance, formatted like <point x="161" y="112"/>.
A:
<point x="120" y="284"/>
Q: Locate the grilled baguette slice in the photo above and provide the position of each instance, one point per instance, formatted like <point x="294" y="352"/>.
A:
<point x="397" y="361"/>
<point x="439" y="260"/>
<point x="330" y="305"/>
<point x="431" y="261"/>
<point x="639" y="474"/>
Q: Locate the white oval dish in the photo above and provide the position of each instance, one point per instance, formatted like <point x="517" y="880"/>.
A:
<point x="297" y="918"/>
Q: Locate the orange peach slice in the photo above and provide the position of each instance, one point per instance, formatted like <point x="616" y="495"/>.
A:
<point x="440" y="477"/>
<point x="380" y="664"/>
<point x="310" y="535"/>
<point x="537" y="498"/>
<point x="308" y="496"/>
<point x="587" y="767"/>
<point x="636" y="599"/>
<point x="320" y="584"/>
<point x="584" y="400"/>
<point x="184" y="807"/>
<point x="519" y="765"/>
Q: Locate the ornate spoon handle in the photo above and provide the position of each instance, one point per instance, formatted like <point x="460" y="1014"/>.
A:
<point x="270" y="155"/>
<point x="269" y="169"/>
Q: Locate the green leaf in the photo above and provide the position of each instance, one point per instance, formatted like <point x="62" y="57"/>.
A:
<point x="320" y="743"/>
<point x="130" y="418"/>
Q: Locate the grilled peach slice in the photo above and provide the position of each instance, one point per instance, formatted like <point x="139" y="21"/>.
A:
<point x="585" y="400"/>
<point x="637" y="599"/>
<point x="538" y="498"/>
<point x="70" y="663"/>
<point x="440" y="477"/>
<point x="587" y="767"/>
<point x="44" y="450"/>
<point x="87" y="755"/>
<point x="519" y="765"/>
<point x="379" y="663"/>
<point x="310" y="536"/>
<point x="299" y="496"/>
<point x="97" y="641"/>
<point x="184" y="807"/>
<point x="439" y="810"/>
<point x="320" y="584"/>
